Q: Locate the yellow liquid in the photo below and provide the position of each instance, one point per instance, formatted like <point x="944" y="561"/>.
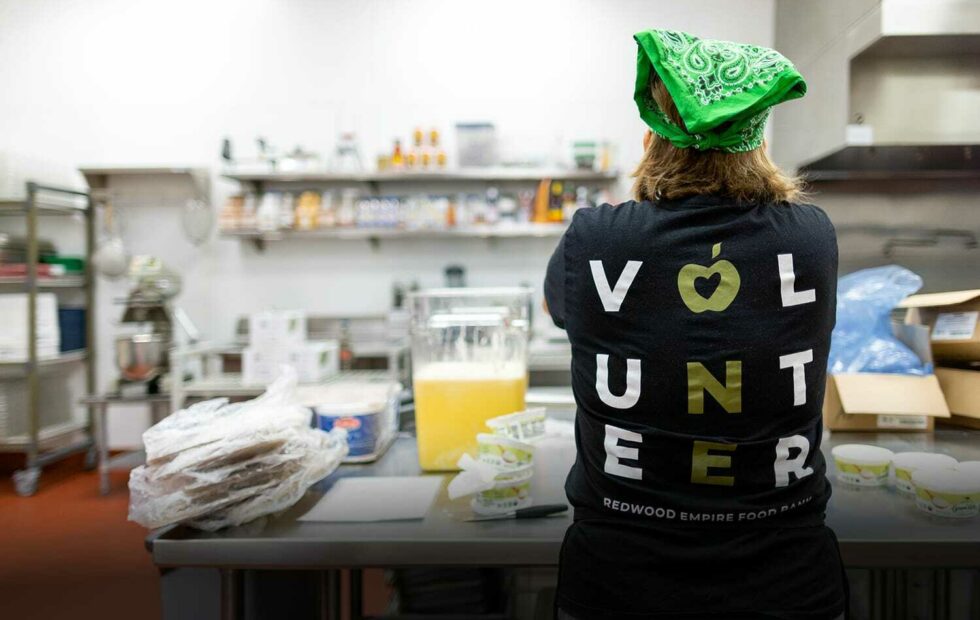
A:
<point x="453" y="403"/>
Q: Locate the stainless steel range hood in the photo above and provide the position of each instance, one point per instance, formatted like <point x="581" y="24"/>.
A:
<point x="893" y="89"/>
<point x="897" y="162"/>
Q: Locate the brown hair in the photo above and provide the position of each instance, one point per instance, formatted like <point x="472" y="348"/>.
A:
<point x="669" y="172"/>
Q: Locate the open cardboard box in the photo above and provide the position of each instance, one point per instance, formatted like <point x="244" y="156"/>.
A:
<point x="962" y="391"/>
<point x="886" y="402"/>
<point x="952" y="319"/>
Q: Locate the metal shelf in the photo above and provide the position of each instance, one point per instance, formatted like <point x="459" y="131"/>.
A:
<point x="376" y="234"/>
<point x="45" y="436"/>
<point x="230" y="385"/>
<point x="35" y="444"/>
<point x="19" y="207"/>
<point x="45" y="282"/>
<point x="20" y="368"/>
<point x="98" y="177"/>
<point x="502" y="174"/>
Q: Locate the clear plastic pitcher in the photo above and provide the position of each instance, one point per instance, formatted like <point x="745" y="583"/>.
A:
<point x="469" y="364"/>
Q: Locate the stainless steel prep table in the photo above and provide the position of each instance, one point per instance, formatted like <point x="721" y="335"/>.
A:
<point x="876" y="528"/>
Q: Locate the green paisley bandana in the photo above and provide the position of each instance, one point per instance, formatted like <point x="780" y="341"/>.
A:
<point x="723" y="91"/>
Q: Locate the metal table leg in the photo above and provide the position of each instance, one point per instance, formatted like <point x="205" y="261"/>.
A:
<point x="328" y="588"/>
<point x="356" y="594"/>
<point x="232" y="594"/>
<point x="102" y="445"/>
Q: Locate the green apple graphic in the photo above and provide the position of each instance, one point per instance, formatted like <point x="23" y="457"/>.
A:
<point x="722" y="297"/>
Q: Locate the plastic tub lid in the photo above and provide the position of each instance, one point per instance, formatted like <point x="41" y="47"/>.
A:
<point x="947" y="481"/>
<point x="863" y="454"/>
<point x="915" y="460"/>
<point x="972" y="467"/>
<point x="348" y="398"/>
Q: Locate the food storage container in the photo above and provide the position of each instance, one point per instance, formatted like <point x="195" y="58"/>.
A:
<point x="523" y="425"/>
<point x="904" y="464"/>
<point x="469" y="364"/>
<point x="503" y="451"/>
<point x="862" y="465"/>
<point x="476" y="144"/>
<point x="947" y="492"/>
<point x="366" y="410"/>
<point x="511" y="491"/>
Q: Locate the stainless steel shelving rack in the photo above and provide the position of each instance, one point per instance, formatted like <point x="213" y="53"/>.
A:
<point x="45" y="445"/>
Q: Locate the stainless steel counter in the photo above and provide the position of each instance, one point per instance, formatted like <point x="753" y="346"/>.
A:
<point x="876" y="528"/>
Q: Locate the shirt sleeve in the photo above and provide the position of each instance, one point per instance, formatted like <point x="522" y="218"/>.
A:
<point x="554" y="285"/>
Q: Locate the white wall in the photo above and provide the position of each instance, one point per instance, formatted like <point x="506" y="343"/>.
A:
<point x="133" y="82"/>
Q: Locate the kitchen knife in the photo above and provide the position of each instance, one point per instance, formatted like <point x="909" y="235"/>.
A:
<point x="532" y="512"/>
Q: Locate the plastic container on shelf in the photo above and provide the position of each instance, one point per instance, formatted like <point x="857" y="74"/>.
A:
<point x="469" y="360"/>
<point x="476" y="145"/>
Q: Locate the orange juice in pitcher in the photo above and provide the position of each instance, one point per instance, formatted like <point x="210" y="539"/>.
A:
<point x="453" y="402"/>
<point x="469" y="359"/>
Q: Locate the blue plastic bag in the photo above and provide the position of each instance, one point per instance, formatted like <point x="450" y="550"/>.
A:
<point x="863" y="340"/>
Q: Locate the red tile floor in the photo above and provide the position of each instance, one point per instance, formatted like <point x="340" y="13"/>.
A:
<point x="69" y="552"/>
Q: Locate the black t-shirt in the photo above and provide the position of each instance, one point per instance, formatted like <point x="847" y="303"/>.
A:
<point x="700" y="330"/>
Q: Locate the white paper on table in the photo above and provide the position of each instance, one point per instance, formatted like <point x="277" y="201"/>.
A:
<point x="376" y="499"/>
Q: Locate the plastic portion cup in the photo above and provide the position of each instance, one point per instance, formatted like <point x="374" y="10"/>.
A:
<point x="523" y="425"/>
<point x="904" y="464"/>
<point x="947" y="492"/>
<point x="503" y="452"/>
<point x="861" y="464"/>
<point x="510" y="493"/>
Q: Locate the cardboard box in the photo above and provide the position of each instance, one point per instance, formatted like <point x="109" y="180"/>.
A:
<point x="952" y="319"/>
<point x="882" y="402"/>
<point x="315" y="360"/>
<point x="277" y="328"/>
<point x="886" y="402"/>
<point x="13" y="317"/>
<point x="262" y="365"/>
<point x="962" y="391"/>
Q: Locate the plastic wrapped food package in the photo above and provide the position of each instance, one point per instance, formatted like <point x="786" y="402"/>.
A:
<point x="216" y="464"/>
<point x="863" y="340"/>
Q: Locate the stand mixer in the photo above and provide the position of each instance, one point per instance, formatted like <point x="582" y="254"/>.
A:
<point x="142" y="355"/>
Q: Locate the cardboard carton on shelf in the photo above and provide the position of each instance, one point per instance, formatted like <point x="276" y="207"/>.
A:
<point x="886" y="402"/>
<point x="952" y="319"/>
<point x="277" y="328"/>
<point x="962" y="390"/>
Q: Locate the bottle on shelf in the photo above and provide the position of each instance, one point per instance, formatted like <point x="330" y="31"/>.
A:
<point x="328" y="210"/>
<point x="414" y="157"/>
<point x="491" y="212"/>
<point x="308" y="211"/>
<point x="440" y="154"/>
<point x="556" y="202"/>
<point x="397" y="157"/>
<point x="450" y="214"/>
<point x="267" y="213"/>
<point x="540" y="212"/>
<point x="287" y="210"/>
<point x="346" y="351"/>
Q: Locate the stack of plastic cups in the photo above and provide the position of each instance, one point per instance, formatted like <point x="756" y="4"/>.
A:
<point x="510" y="450"/>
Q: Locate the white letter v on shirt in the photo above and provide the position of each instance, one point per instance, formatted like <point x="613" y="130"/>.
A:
<point x="613" y="298"/>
